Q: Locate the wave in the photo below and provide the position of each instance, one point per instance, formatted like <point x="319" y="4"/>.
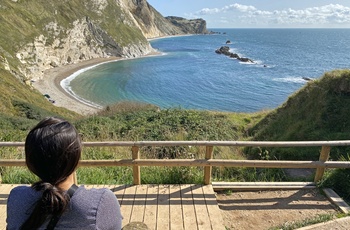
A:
<point x="65" y="84"/>
<point x="290" y="79"/>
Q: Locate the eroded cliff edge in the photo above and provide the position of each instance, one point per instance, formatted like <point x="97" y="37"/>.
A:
<point x="38" y="35"/>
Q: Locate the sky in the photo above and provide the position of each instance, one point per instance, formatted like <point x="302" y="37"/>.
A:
<point x="260" y="13"/>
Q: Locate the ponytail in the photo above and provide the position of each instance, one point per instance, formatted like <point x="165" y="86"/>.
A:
<point x="53" y="202"/>
<point x="52" y="149"/>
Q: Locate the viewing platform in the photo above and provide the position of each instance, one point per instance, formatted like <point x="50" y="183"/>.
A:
<point x="188" y="206"/>
<point x="158" y="206"/>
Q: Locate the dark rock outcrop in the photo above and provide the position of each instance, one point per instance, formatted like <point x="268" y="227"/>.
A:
<point x="226" y="51"/>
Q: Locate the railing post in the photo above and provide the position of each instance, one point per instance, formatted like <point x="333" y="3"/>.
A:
<point x="136" y="169"/>
<point x="324" y="156"/>
<point x="207" y="169"/>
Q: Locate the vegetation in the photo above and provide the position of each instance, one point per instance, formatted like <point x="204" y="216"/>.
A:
<point x="318" y="111"/>
<point x="338" y="180"/>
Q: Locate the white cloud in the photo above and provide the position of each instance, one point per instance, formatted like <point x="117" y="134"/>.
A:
<point x="206" y="11"/>
<point x="236" y="6"/>
<point x="332" y="14"/>
<point x="242" y="8"/>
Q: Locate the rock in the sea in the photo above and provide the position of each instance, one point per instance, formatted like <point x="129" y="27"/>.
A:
<point x="245" y="60"/>
<point x="223" y="50"/>
<point x="226" y="51"/>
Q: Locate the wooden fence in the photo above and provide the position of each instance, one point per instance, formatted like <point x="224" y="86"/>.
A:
<point x="208" y="162"/>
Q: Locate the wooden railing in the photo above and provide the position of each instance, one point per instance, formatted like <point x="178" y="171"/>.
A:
<point x="208" y="162"/>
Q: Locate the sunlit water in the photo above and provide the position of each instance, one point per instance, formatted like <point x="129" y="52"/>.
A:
<point x="189" y="74"/>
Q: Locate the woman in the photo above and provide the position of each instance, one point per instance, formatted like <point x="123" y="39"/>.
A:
<point x="53" y="149"/>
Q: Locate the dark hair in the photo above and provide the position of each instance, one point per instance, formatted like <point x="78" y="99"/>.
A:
<point x="52" y="149"/>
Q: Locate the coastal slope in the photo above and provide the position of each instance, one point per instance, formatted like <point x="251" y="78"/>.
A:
<point x="38" y="36"/>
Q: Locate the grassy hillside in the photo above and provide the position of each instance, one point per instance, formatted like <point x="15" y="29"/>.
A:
<point x="318" y="111"/>
<point x="22" y="107"/>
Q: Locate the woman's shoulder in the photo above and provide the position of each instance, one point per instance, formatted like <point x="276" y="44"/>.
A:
<point x="22" y="192"/>
<point x="93" y="195"/>
<point x="87" y="201"/>
<point x="93" y="191"/>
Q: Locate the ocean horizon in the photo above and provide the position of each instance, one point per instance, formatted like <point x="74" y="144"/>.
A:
<point x="190" y="75"/>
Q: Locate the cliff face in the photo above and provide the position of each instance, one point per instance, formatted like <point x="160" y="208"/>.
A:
<point x="149" y="21"/>
<point x="153" y="24"/>
<point x="193" y="26"/>
<point x="37" y="35"/>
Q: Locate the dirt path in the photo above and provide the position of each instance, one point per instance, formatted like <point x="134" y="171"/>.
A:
<point x="266" y="209"/>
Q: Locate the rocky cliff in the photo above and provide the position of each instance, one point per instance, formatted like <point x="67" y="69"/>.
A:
<point x="193" y="26"/>
<point x="37" y="35"/>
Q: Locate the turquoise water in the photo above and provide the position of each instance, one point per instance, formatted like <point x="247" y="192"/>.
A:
<point x="189" y="74"/>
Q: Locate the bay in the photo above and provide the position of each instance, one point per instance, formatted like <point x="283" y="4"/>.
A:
<point x="189" y="74"/>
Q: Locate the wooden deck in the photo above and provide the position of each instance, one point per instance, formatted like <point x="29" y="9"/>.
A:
<point x="159" y="206"/>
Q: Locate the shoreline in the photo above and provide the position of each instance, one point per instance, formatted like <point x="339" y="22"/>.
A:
<point x="51" y="84"/>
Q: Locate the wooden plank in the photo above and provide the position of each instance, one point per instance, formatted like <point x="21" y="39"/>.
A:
<point x="176" y="215"/>
<point x="188" y="207"/>
<point x="151" y="209"/>
<point x="337" y="200"/>
<point x="203" y="143"/>
<point x="118" y="190"/>
<point x="203" y="220"/>
<point x="242" y="186"/>
<point x="128" y="203"/>
<point x="265" y="183"/>
<point x="98" y="186"/>
<point x="4" y="192"/>
<point x="213" y="208"/>
<point x="88" y="186"/>
<point x="138" y="211"/>
<point x="163" y="221"/>
<point x="200" y="162"/>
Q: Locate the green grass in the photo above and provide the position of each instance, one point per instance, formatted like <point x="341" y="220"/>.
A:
<point x="318" y="111"/>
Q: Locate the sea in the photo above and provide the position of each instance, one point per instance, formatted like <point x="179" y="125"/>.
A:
<point x="188" y="73"/>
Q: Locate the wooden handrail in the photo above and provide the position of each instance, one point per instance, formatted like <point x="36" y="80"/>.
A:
<point x="208" y="162"/>
<point x="203" y="143"/>
<point x="199" y="162"/>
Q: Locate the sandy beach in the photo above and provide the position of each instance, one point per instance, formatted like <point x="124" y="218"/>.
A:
<point x="50" y="84"/>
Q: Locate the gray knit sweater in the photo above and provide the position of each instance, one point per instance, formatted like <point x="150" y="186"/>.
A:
<point x="89" y="209"/>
